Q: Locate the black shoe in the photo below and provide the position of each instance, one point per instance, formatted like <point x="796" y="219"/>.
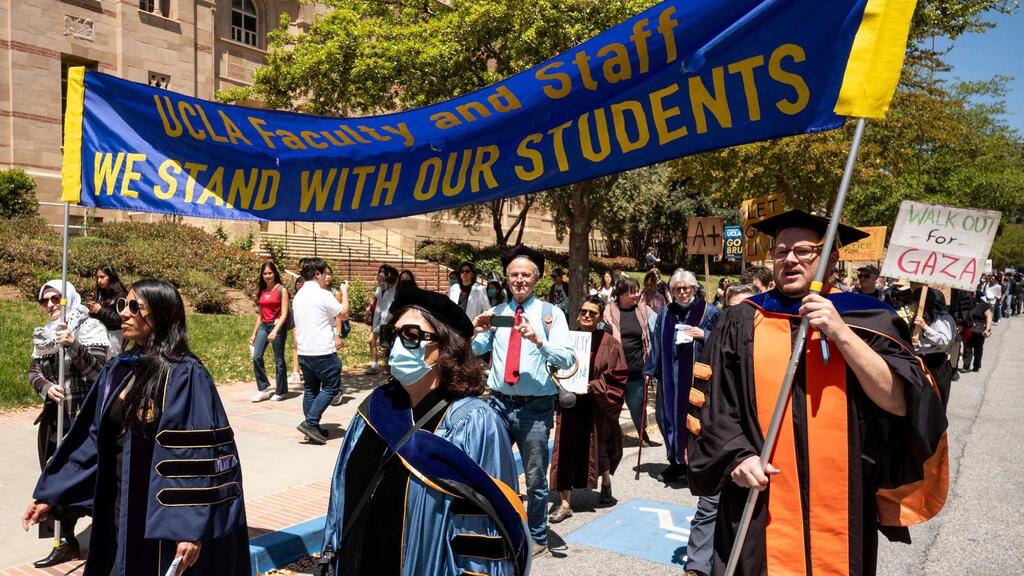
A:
<point x="672" y="473"/>
<point x="977" y="369"/>
<point x="606" y="496"/>
<point x="314" y="434"/>
<point x="338" y="399"/>
<point x="66" y="552"/>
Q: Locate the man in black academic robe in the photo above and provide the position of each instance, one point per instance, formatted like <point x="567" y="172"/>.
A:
<point x="862" y="444"/>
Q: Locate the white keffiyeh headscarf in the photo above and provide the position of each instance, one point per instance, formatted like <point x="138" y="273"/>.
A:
<point x="87" y="331"/>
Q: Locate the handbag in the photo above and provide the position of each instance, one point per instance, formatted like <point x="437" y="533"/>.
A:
<point x="289" y="321"/>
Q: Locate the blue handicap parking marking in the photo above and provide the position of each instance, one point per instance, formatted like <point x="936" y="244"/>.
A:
<point x="646" y="529"/>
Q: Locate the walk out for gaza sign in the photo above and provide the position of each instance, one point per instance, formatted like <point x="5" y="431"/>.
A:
<point x="683" y="77"/>
<point x="940" y="245"/>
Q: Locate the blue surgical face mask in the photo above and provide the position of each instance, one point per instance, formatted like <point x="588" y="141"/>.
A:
<point x="453" y="281"/>
<point x="408" y="366"/>
<point x="491" y="292"/>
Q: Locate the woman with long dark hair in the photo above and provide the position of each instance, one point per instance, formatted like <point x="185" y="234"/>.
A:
<point x="155" y="423"/>
<point x="453" y="483"/>
<point x="935" y="329"/>
<point x="273" y="300"/>
<point x="108" y="289"/>
<point x="632" y="323"/>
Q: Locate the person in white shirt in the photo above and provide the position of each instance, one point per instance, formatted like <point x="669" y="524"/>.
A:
<point x="469" y="295"/>
<point x="314" y="311"/>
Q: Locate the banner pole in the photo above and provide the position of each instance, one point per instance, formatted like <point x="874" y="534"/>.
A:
<point x="61" y="357"/>
<point x="707" y="277"/>
<point x="794" y="359"/>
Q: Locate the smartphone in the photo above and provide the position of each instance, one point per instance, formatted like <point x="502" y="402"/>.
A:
<point x="503" y="321"/>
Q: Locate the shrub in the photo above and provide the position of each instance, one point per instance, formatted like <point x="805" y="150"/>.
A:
<point x="451" y="254"/>
<point x="204" y="293"/>
<point x="359" y="296"/>
<point x="28" y="248"/>
<point x="17" y="194"/>
<point x="245" y="242"/>
<point x="220" y="233"/>
<point x="605" y="262"/>
<point x="276" y="251"/>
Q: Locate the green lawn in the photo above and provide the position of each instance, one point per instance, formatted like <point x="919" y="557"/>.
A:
<point x="221" y="341"/>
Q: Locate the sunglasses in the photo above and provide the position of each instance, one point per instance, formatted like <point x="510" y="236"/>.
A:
<point x="683" y="288"/>
<point x="465" y="271"/>
<point x="410" y="335"/>
<point x="132" y="305"/>
<point x="589" y="313"/>
<point x="55" y="300"/>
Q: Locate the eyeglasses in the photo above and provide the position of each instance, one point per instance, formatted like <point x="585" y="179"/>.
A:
<point x="465" y="271"/>
<point x="683" y="288"/>
<point x="585" y="312"/>
<point x="804" y="253"/>
<point x="55" y="300"/>
<point x="132" y="305"/>
<point x="410" y="335"/>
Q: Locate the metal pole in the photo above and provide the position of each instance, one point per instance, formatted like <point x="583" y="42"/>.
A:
<point x="801" y="338"/>
<point x="61" y="359"/>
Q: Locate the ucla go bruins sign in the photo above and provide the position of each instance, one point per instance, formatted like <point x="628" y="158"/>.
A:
<point x="683" y="77"/>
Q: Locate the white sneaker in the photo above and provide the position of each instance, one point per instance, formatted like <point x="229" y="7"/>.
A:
<point x="276" y="398"/>
<point x="294" y="378"/>
<point x="261" y="396"/>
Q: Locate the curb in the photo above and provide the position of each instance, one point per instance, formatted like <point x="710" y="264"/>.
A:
<point x="282" y="547"/>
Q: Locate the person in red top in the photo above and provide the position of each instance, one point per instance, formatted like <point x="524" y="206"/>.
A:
<point x="272" y="298"/>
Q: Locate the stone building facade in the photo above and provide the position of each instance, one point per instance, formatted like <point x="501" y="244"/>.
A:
<point x="195" y="47"/>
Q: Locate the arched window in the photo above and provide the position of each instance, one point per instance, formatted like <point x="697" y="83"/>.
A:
<point x="244" y="20"/>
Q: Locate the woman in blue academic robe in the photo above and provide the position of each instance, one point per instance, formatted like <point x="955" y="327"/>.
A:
<point x="426" y="481"/>
<point x="152" y="455"/>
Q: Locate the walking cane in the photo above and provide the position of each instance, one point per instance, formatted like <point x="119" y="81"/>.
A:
<point x="61" y="356"/>
<point x="794" y="359"/>
<point x="643" y="429"/>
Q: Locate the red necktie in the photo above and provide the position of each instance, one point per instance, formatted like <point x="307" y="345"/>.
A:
<point x="515" y="342"/>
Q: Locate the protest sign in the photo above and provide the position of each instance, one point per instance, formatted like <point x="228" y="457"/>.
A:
<point x="704" y="235"/>
<point x="580" y="343"/>
<point x="733" y="237"/>
<point x="870" y="248"/>
<point x="683" y="77"/>
<point x="940" y="245"/>
<point x="755" y="244"/>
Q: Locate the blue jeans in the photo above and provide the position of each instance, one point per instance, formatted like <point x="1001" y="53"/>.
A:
<point x="322" y="382"/>
<point x="529" y="420"/>
<point x="280" y="369"/>
<point x="635" y="402"/>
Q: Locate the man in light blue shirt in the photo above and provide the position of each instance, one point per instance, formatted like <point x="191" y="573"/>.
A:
<point x="522" y="390"/>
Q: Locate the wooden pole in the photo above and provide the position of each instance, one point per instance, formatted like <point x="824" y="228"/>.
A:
<point x="707" y="279"/>
<point x="920" y="311"/>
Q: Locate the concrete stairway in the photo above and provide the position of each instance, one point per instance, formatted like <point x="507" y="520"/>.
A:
<point x="355" y="258"/>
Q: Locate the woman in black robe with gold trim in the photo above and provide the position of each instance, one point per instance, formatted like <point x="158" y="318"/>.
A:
<point x="152" y="454"/>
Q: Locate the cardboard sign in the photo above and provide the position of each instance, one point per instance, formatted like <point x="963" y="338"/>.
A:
<point x="756" y="245"/>
<point x="733" y="243"/>
<point x="704" y="235"/>
<point x="870" y="248"/>
<point x="580" y="342"/>
<point x="940" y="245"/>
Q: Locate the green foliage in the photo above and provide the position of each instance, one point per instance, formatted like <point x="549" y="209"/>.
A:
<point x="1008" y="247"/>
<point x="18" y="319"/>
<point x="359" y="296"/>
<point x="220" y="232"/>
<point x="17" y="194"/>
<point x="451" y="254"/>
<point x="196" y="261"/>
<point x="276" y="251"/>
<point x="245" y="242"/>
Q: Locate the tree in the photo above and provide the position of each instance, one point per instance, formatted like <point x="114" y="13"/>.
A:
<point x="367" y="56"/>
<point x="472" y="217"/>
<point x="17" y="194"/>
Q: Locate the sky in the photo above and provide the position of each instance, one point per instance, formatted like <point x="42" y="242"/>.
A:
<point x="1000" y="51"/>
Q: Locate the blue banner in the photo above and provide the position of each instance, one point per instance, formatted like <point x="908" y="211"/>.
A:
<point x="681" y="78"/>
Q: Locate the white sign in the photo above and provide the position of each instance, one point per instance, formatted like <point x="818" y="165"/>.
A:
<point x="940" y="245"/>
<point x="988" y="266"/>
<point x="580" y="343"/>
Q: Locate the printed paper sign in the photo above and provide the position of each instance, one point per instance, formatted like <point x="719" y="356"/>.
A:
<point x="942" y="245"/>
<point x="704" y="235"/>
<point x="756" y="245"/>
<point x="580" y="342"/>
<point x="733" y="243"/>
<point x="870" y="248"/>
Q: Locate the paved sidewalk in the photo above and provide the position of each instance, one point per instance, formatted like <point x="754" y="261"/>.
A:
<point x="286" y="479"/>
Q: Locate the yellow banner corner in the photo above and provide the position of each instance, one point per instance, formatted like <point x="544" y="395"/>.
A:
<point x="876" y="59"/>
<point x="71" y="170"/>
